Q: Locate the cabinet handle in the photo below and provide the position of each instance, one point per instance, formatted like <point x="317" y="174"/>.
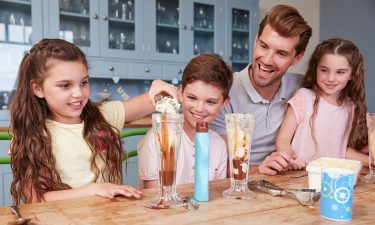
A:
<point x="147" y="70"/>
<point x="179" y="71"/>
<point x="95" y="16"/>
<point x="105" y="17"/>
<point x="184" y="27"/>
<point x="111" y="68"/>
<point x="191" y="28"/>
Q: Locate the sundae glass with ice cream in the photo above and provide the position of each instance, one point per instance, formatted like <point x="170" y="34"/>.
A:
<point x="239" y="132"/>
<point x="167" y="127"/>
<point x="370" y="177"/>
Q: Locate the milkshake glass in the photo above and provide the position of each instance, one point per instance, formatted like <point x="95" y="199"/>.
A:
<point x="239" y="133"/>
<point x="370" y="177"/>
<point x="167" y="129"/>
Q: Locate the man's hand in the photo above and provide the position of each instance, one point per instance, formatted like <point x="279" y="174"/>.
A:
<point x="275" y="163"/>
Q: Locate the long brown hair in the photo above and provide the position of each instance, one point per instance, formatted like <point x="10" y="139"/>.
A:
<point x="354" y="92"/>
<point x="287" y="22"/>
<point x="33" y="163"/>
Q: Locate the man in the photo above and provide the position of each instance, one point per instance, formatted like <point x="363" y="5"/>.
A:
<point x="264" y="86"/>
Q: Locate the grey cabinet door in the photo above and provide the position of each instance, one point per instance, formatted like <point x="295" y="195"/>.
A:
<point x="206" y="25"/>
<point x="76" y="22"/>
<point x="121" y="28"/>
<point x="20" y="27"/>
<point x="164" y="30"/>
<point x="6" y="178"/>
<point x="242" y="26"/>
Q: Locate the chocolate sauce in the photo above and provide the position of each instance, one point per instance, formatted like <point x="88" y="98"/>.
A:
<point x="167" y="177"/>
<point x="237" y="164"/>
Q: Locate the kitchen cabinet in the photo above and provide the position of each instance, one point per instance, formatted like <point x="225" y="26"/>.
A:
<point x="20" y="25"/>
<point x="164" y="34"/>
<point x="150" y="33"/>
<point x="183" y="29"/>
<point x="243" y="23"/>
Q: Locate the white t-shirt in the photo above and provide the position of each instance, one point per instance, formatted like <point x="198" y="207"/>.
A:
<point x="71" y="151"/>
<point x="148" y="164"/>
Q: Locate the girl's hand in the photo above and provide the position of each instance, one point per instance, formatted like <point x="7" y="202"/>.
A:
<point x="110" y="190"/>
<point x="158" y="87"/>
<point x="297" y="164"/>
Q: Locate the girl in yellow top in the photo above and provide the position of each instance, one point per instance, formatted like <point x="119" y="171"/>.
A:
<point x="65" y="146"/>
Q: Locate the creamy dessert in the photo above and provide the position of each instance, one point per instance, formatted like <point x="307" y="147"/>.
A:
<point x="167" y="104"/>
<point x="316" y="167"/>
<point x="239" y="145"/>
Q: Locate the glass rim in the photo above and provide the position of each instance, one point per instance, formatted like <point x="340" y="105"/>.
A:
<point x="170" y="117"/>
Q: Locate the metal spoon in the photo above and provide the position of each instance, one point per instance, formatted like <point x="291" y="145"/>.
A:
<point x="187" y="202"/>
<point x="307" y="197"/>
<point x="19" y="218"/>
<point x="190" y="203"/>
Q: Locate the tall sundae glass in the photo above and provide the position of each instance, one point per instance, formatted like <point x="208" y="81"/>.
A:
<point x="370" y="177"/>
<point x="167" y="128"/>
<point x="239" y="133"/>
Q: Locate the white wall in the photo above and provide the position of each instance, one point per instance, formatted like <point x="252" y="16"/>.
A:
<point x="353" y="20"/>
<point x="310" y="10"/>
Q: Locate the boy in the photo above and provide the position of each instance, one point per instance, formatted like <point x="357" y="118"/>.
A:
<point x="204" y="90"/>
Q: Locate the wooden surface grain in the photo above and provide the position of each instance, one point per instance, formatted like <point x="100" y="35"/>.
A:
<point x="264" y="209"/>
<point x="142" y="122"/>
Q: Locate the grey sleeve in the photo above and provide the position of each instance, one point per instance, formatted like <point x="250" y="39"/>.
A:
<point x="218" y="124"/>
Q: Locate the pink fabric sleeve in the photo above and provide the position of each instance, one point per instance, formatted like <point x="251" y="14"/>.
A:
<point x="296" y="102"/>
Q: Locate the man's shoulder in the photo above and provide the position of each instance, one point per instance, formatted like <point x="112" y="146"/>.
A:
<point x="290" y="83"/>
<point x="294" y="78"/>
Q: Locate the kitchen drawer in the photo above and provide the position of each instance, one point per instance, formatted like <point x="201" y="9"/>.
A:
<point x="107" y="69"/>
<point x="173" y="71"/>
<point x="145" y="71"/>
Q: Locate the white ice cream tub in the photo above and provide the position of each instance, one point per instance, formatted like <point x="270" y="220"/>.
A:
<point x="315" y="168"/>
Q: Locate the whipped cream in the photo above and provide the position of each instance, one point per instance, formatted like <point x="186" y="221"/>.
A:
<point x="167" y="104"/>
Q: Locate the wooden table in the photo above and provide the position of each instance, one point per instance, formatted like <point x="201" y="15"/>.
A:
<point x="264" y="209"/>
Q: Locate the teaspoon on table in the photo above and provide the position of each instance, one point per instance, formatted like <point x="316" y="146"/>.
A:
<point x="307" y="197"/>
<point x="19" y="218"/>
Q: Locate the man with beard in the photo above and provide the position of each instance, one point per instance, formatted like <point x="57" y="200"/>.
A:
<point x="264" y="86"/>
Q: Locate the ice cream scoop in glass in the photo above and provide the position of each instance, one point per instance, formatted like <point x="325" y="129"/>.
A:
<point x="239" y="132"/>
<point x="370" y="177"/>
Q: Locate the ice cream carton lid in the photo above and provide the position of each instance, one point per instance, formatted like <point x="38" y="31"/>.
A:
<point x="327" y="162"/>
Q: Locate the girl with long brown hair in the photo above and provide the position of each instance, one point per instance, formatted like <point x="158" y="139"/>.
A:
<point x="65" y="146"/>
<point x="327" y="117"/>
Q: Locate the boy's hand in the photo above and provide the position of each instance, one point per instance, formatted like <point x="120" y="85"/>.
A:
<point x="110" y="190"/>
<point x="158" y="87"/>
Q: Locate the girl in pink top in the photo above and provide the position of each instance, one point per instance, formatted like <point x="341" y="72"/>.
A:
<point x="327" y="117"/>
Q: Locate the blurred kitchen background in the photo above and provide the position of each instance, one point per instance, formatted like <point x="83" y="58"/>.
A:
<point x="129" y="43"/>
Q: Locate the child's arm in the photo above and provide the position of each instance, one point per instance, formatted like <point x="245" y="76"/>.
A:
<point x="285" y="136"/>
<point x="144" y="104"/>
<point x="150" y="183"/>
<point x="286" y="132"/>
<point x="358" y="155"/>
<point x="107" y="190"/>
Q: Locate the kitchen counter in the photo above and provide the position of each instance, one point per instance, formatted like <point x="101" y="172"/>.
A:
<point x="143" y="122"/>
<point x="263" y="209"/>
